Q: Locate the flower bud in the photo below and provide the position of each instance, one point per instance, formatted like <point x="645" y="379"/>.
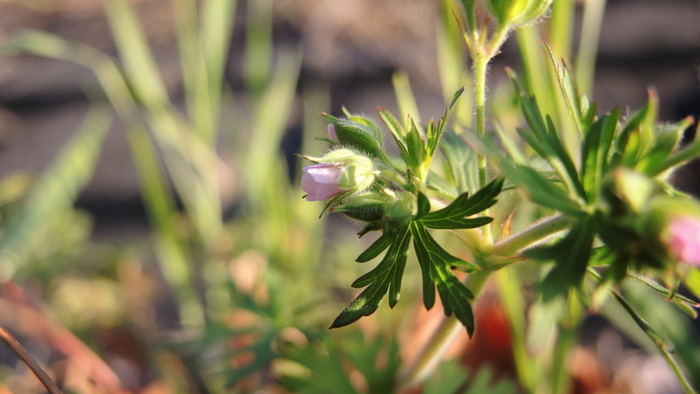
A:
<point x="674" y="224"/>
<point x="339" y="171"/>
<point x="682" y="238"/>
<point x="517" y="12"/>
<point x="357" y="133"/>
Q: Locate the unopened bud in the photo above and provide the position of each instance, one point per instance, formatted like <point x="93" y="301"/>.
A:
<point x="336" y="172"/>
<point x="517" y="12"/>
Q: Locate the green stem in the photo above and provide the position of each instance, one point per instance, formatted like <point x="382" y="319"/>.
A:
<point x="534" y="234"/>
<point x="480" y="70"/>
<point x="449" y="328"/>
<point x="659" y="342"/>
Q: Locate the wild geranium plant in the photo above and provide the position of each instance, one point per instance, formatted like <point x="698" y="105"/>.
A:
<point x="615" y="214"/>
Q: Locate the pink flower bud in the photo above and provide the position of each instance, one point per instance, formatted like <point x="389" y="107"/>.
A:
<point x="682" y="238"/>
<point x="321" y="181"/>
<point x="337" y="171"/>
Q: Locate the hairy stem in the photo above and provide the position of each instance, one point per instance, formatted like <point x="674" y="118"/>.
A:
<point x="429" y="357"/>
<point x="481" y="61"/>
<point x="537" y="233"/>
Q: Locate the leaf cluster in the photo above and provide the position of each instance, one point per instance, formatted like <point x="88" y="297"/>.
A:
<point x="435" y="262"/>
<point x="636" y="150"/>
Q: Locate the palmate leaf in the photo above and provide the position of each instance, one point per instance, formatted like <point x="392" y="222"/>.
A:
<point x="385" y="277"/>
<point x="436" y="266"/>
<point x="454" y="216"/>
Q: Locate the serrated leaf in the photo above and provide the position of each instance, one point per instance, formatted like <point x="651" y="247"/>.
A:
<point x="386" y="277"/>
<point x="690" y="152"/>
<point x="623" y="138"/>
<point x="454" y="216"/>
<point x="601" y="256"/>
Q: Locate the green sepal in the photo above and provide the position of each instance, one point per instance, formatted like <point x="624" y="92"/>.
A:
<point x="454" y="216"/>
<point x="369" y="227"/>
<point x="373" y="128"/>
<point x="358" y="135"/>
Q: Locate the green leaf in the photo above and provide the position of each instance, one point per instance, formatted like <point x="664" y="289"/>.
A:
<point x="423" y="206"/>
<point x="571" y="256"/>
<point x="531" y="111"/>
<point x="415" y="145"/>
<point x="385" y="277"/>
<point x="434" y="137"/>
<point x="543" y="192"/>
<point x="665" y="347"/>
<point x="666" y="141"/>
<point x="591" y="157"/>
<point x="454" y="216"/>
<point x="376" y="248"/>
<point x="443" y="187"/>
<point x="55" y="191"/>
<point x="569" y="172"/>
<point x="684" y="303"/>
<point x="395" y="128"/>
<point x="692" y="280"/>
<point x="462" y="161"/>
<point x="568" y="89"/>
<point x="436" y="266"/>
